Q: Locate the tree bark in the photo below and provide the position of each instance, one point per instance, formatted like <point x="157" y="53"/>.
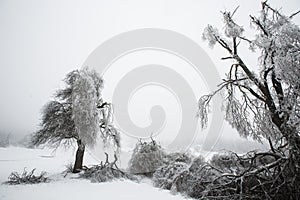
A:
<point x="79" y="157"/>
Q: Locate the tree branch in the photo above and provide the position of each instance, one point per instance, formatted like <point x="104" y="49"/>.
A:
<point x="294" y="14"/>
<point x="258" y="23"/>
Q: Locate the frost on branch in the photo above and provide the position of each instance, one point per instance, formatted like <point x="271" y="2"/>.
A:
<point x="259" y="106"/>
<point x="284" y="36"/>
<point x="203" y="108"/>
<point x="287" y="43"/>
<point x="210" y="34"/>
<point x="263" y="104"/>
<point x="108" y="131"/>
<point x="238" y="117"/>
<point x="92" y="116"/>
<point x="232" y="30"/>
<point x="26" y="178"/>
<point x="85" y="96"/>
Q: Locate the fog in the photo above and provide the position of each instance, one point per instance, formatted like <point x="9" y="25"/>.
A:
<point x="41" y="41"/>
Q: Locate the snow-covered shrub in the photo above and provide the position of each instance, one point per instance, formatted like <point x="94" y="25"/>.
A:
<point x="189" y="178"/>
<point x="176" y="171"/>
<point x="26" y="178"/>
<point x="166" y="175"/>
<point x="146" y="158"/>
<point x="186" y="180"/>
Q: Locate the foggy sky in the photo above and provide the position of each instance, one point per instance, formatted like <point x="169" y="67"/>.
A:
<point x="42" y="40"/>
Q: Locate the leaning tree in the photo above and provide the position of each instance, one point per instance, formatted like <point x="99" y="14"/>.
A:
<point x="263" y="101"/>
<point x="78" y="114"/>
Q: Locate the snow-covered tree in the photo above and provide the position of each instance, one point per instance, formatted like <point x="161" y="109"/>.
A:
<point x="79" y="114"/>
<point x="263" y="103"/>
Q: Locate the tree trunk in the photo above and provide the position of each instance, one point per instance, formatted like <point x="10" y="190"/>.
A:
<point x="79" y="157"/>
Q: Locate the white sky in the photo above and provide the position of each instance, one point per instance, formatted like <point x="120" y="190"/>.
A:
<point x="42" y="40"/>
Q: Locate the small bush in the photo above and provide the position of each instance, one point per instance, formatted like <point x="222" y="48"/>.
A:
<point x="26" y="178"/>
<point x="68" y="170"/>
<point x="146" y="158"/>
<point x="177" y="166"/>
<point x="189" y="178"/>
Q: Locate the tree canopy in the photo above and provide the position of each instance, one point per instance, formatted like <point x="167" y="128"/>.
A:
<point x="78" y="113"/>
<point x="263" y="103"/>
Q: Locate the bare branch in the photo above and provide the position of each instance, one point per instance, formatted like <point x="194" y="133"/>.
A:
<point x="226" y="58"/>
<point x="234" y="11"/>
<point x="294" y="14"/>
<point x="243" y="38"/>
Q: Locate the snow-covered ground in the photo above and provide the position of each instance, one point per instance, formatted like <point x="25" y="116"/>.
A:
<point x="54" y="163"/>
